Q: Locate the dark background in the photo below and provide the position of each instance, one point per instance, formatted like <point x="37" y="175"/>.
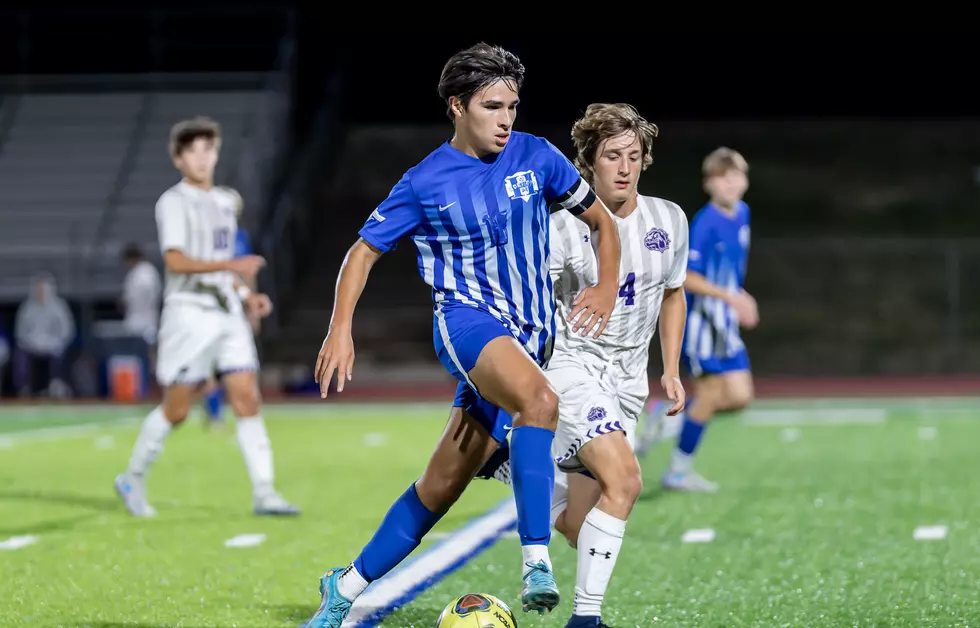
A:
<point x="863" y="149"/>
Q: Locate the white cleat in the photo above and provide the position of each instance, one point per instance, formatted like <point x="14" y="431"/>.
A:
<point x="689" y="482"/>
<point x="273" y="504"/>
<point x="133" y="493"/>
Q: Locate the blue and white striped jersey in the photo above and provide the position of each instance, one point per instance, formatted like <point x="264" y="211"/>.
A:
<point x="719" y="250"/>
<point x="482" y="231"/>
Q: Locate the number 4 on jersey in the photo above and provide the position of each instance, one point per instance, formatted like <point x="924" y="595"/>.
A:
<point x="626" y="290"/>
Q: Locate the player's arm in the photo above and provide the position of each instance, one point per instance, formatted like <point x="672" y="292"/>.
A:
<point x="569" y="191"/>
<point x="601" y="299"/>
<point x="701" y="242"/>
<point x="397" y="216"/>
<point x="673" y="319"/>
<point x="172" y="227"/>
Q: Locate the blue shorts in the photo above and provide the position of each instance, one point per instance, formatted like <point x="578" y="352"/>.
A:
<point x="716" y="365"/>
<point x="460" y="333"/>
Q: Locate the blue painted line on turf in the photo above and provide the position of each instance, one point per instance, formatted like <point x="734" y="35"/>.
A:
<point x="482" y="532"/>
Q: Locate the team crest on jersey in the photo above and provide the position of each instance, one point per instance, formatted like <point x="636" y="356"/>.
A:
<point x="597" y="413"/>
<point x="521" y="185"/>
<point x="657" y="239"/>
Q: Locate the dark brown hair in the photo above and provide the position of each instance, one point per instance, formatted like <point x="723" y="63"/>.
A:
<point x="185" y="132"/>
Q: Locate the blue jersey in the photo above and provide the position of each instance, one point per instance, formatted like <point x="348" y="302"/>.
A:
<point x="719" y="250"/>
<point x="243" y="244"/>
<point x="481" y="230"/>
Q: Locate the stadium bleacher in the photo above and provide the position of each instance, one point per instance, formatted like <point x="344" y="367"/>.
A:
<point x="80" y="172"/>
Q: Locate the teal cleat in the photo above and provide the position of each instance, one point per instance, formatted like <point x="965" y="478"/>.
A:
<point x="540" y="591"/>
<point x="334" y="607"/>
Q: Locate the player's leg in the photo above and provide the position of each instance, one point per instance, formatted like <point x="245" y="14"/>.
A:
<point x="186" y="353"/>
<point x="131" y="484"/>
<point x="680" y="475"/>
<point x="506" y="376"/>
<point x="465" y="446"/>
<point x="609" y="457"/>
<point x="582" y="493"/>
<point x="739" y="391"/>
<point x="213" y="402"/>
<point x="237" y="364"/>
<point x="480" y="351"/>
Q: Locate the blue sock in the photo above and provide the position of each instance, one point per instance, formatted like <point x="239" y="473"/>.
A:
<point x="401" y="531"/>
<point x="533" y="476"/>
<point x="690" y="436"/>
<point x="213" y="402"/>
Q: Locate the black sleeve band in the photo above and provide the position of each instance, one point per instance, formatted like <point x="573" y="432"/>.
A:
<point x="576" y="200"/>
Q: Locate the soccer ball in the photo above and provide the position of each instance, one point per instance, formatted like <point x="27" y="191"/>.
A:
<point x="476" y="610"/>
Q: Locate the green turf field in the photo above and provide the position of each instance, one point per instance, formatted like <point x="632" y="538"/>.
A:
<point x="813" y="526"/>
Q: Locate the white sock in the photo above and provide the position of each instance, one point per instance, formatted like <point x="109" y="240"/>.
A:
<point x="257" y="451"/>
<point x="351" y="583"/>
<point x="149" y="443"/>
<point x="533" y="554"/>
<point x="598" y="548"/>
<point x="681" y="462"/>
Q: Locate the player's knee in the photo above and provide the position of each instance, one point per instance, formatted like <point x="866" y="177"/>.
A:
<point x="620" y="496"/>
<point x="177" y="405"/>
<point x="541" y="409"/>
<point x="244" y="401"/>
<point x="739" y="400"/>
<point x="439" y="491"/>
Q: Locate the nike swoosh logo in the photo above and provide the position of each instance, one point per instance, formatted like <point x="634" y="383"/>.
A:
<point x="443" y="208"/>
<point x="507" y="428"/>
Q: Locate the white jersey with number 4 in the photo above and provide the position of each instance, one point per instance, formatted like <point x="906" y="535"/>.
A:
<point x="203" y="330"/>
<point x="602" y="382"/>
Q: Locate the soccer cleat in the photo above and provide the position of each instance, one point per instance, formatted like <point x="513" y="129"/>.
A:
<point x="584" y="621"/>
<point x="133" y="493"/>
<point x="540" y="591"/>
<point x="334" y="607"/>
<point x="689" y="482"/>
<point x="273" y="504"/>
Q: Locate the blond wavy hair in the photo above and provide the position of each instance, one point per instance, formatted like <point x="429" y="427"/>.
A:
<point x="603" y="121"/>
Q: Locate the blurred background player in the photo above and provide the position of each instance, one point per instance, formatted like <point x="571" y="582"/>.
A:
<point x="602" y="383"/>
<point x="43" y="331"/>
<point x="214" y="394"/>
<point x="477" y="209"/>
<point x="203" y="327"/>
<point x="142" y="290"/>
<point x="718" y="305"/>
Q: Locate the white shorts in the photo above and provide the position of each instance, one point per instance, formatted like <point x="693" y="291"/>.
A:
<point x="195" y="342"/>
<point x="592" y="401"/>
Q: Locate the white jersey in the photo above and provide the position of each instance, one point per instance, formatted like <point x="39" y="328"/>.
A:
<point x="141" y="298"/>
<point x="654" y="240"/>
<point x="203" y="224"/>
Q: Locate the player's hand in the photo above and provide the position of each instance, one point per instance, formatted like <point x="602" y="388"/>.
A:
<point x="674" y="390"/>
<point x="336" y="354"/>
<point x="745" y="308"/>
<point x="592" y="308"/>
<point x="259" y="304"/>
<point x="248" y="266"/>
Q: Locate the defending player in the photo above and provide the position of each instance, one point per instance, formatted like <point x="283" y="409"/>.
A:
<point x="203" y="327"/>
<point x="714" y="353"/>
<point x="477" y="210"/>
<point x="602" y="382"/>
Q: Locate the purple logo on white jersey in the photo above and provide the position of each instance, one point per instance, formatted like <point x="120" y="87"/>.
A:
<point x="657" y="239"/>
<point x="597" y="413"/>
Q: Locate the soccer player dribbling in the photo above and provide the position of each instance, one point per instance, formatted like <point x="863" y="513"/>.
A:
<point x="477" y="209"/>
